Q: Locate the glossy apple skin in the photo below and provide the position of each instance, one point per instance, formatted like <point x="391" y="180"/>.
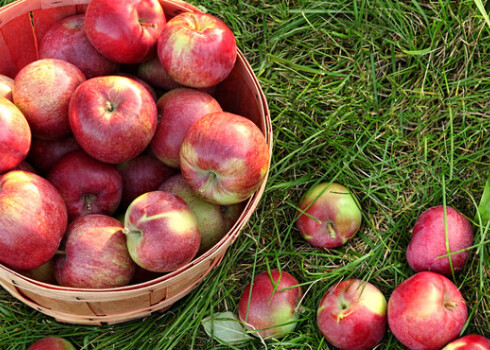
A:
<point x="95" y="254"/>
<point x="162" y="233"/>
<point x="51" y="343"/>
<point x="33" y="219"/>
<point x="66" y="40"/>
<point x="179" y="109"/>
<point x="87" y="185"/>
<point x="113" y="118"/>
<point x="42" y="91"/>
<point x="428" y="241"/>
<point x="6" y="85"/>
<point x="469" y="342"/>
<point x="213" y="220"/>
<point x="44" y="154"/>
<point x="272" y="312"/>
<point x="197" y="49"/>
<point x="337" y="215"/>
<point x="148" y="87"/>
<point x="142" y="174"/>
<point x="15" y="136"/>
<point x="224" y="157"/>
<point x="352" y="315"/>
<point x="426" y="311"/>
<point x="124" y="31"/>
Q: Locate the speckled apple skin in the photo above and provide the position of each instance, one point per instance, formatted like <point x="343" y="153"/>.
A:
<point x="426" y="311"/>
<point x="428" y="241"/>
<point x="469" y="342"/>
<point x="269" y="311"/>
<point x="51" y="343"/>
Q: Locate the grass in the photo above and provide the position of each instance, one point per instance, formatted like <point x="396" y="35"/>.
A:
<point x="388" y="98"/>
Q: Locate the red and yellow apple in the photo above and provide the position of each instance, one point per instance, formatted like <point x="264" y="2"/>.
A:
<point x="268" y="306"/>
<point x="51" y="343"/>
<point x="153" y="73"/>
<point x="426" y="311"/>
<point x="428" y="243"/>
<point x="197" y="49"/>
<point x="224" y="157"/>
<point x="469" y="342"/>
<point x="6" y="85"/>
<point x="352" y="315"/>
<point x="329" y="216"/>
<point x="161" y="232"/>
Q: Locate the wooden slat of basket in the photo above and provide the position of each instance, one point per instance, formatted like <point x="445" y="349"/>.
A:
<point x="44" y="19"/>
<point x="72" y="307"/>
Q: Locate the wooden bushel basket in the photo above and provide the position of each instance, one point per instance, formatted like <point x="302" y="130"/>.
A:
<point x="22" y="25"/>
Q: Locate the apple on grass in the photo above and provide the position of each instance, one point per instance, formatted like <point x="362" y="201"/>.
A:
<point x="197" y="49"/>
<point x="426" y="311"/>
<point x="469" y="342"/>
<point x="113" y="118"/>
<point x="87" y="185"/>
<point x="428" y="242"/>
<point x="51" y="343"/>
<point x="179" y="109"/>
<point x="42" y="91"/>
<point x="6" y="85"/>
<point x="329" y="216"/>
<point x="44" y="154"/>
<point x="125" y="31"/>
<point x="268" y="305"/>
<point x="66" y="40"/>
<point x="352" y="315"/>
<point x="161" y="232"/>
<point x="15" y="136"/>
<point x="95" y="254"/>
<point x="224" y="157"/>
<point x="213" y="220"/>
<point x="33" y="220"/>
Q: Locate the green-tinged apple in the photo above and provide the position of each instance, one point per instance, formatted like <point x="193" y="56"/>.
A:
<point x="87" y="185"/>
<point x="113" y="118"/>
<point x="42" y="91"/>
<point x="224" y="157"/>
<point x="329" y="215"/>
<point x="352" y="315"/>
<point x="95" y="254"/>
<point x="15" y="136"/>
<point x="178" y="110"/>
<point x="161" y="232"/>
<point x="43" y="273"/>
<point x="51" y="343"/>
<point x="197" y="49"/>
<point x="268" y="306"/>
<point x="426" y="311"/>
<point x="469" y="342"/>
<point x="125" y="31"/>
<point x="428" y="242"/>
<point x="33" y="219"/>
<point x="6" y="85"/>
<point x="213" y="220"/>
<point x="44" y="154"/>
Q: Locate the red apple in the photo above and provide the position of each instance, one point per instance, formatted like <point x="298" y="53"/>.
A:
<point x="426" y="311"/>
<point x="15" y="136"/>
<point x="179" y="109"/>
<point x="268" y="305"/>
<point x="25" y="167"/>
<point x="33" y="219"/>
<point x="6" y="85"/>
<point x="332" y="215"/>
<point x="213" y="220"/>
<point x="428" y="242"/>
<point x="148" y="87"/>
<point x="113" y="118"/>
<point x="95" y="254"/>
<point x="44" y="154"/>
<point x="224" y="157"/>
<point x="51" y="343"/>
<point x="87" y="185"/>
<point x="469" y="342"/>
<point x="140" y="175"/>
<point x="66" y="40"/>
<point x="162" y="233"/>
<point x="197" y="49"/>
<point x="125" y="31"/>
<point x="42" y="91"/>
<point x="152" y="72"/>
<point x="352" y="315"/>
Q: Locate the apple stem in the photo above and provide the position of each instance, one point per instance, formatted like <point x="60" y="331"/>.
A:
<point x="125" y="231"/>
<point x="143" y="24"/>
<point x="449" y="304"/>
<point x="331" y="230"/>
<point x="209" y="181"/>
<point x="60" y="252"/>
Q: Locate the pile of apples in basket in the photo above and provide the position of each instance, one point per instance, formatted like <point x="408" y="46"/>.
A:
<point x="115" y="156"/>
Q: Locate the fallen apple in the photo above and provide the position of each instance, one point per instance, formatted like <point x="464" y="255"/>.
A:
<point x="469" y="342"/>
<point x="51" y="343"/>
